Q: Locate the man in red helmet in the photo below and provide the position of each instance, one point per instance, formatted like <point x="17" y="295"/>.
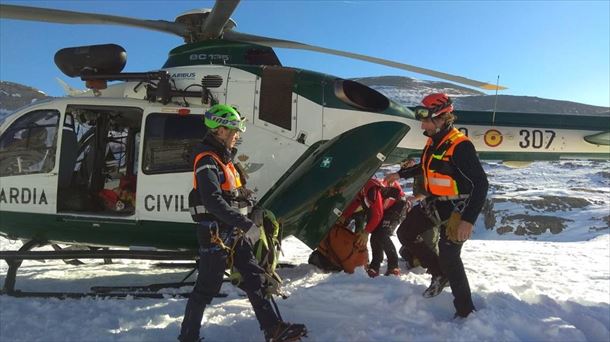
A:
<point x="384" y="205"/>
<point x="457" y="188"/>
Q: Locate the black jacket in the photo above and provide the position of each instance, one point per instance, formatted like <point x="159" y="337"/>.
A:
<point x="209" y="177"/>
<point x="469" y="175"/>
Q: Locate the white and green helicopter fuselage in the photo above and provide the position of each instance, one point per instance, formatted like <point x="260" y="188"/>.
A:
<point x="32" y="189"/>
<point x="290" y="114"/>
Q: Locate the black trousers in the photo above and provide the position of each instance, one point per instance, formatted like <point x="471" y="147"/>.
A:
<point x="417" y="234"/>
<point x="453" y="269"/>
<point x="448" y="262"/>
<point x="382" y="243"/>
<point x="212" y="262"/>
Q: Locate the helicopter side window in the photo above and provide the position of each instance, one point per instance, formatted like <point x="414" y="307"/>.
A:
<point x="29" y="144"/>
<point x="168" y="142"/>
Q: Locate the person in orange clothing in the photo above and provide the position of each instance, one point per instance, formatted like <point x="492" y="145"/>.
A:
<point x="384" y="205"/>
<point x="456" y="187"/>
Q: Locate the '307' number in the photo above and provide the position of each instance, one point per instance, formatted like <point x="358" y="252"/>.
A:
<point x="536" y="138"/>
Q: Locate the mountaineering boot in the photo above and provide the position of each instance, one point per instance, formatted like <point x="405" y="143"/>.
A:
<point x="284" y="332"/>
<point x="372" y="272"/>
<point x="436" y="286"/>
<point x="392" y="271"/>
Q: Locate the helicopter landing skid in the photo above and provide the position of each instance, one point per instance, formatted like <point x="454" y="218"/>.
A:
<point x="15" y="258"/>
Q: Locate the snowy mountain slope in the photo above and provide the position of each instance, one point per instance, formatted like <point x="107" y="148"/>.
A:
<point x="409" y="92"/>
<point x="523" y="290"/>
<point x="14" y="96"/>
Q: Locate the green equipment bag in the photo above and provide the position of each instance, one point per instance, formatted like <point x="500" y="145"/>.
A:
<point x="266" y="251"/>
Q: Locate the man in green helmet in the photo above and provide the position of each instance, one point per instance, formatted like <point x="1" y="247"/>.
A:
<point x="219" y="203"/>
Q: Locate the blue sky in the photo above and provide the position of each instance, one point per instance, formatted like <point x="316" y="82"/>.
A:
<point x="549" y="49"/>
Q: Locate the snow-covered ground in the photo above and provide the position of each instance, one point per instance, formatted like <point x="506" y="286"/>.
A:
<point x="547" y="287"/>
<point x="523" y="290"/>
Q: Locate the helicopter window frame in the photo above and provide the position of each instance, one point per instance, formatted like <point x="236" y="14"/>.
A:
<point x="22" y="155"/>
<point x="164" y="150"/>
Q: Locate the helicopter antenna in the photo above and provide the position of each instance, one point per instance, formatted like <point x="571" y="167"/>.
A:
<point x="493" y="117"/>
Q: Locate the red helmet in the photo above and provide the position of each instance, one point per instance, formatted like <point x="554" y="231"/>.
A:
<point x="433" y="106"/>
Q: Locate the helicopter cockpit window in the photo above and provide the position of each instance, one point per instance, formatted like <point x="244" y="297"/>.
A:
<point x="29" y="144"/>
<point x="168" y="142"/>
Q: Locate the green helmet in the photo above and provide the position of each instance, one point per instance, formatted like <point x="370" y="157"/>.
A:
<point x="226" y="116"/>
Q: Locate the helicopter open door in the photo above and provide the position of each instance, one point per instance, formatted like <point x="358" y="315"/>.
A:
<point x="28" y="162"/>
<point x="312" y="194"/>
<point x="97" y="168"/>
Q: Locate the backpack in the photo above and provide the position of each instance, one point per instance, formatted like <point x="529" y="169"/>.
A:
<point x="266" y="251"/>
<point x="338" y="248"/>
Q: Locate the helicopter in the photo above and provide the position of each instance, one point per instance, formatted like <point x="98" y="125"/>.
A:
<point x="111" y="167"/>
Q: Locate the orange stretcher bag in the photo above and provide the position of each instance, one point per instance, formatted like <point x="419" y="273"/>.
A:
<point x="339" y="247"/>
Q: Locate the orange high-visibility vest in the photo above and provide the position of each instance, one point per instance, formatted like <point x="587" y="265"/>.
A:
<point x="436" y="183"/>
<point x="232" y="180"/>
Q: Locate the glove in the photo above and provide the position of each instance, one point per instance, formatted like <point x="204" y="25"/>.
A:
<point x="362" y="239"/>
<point x="451" y="228"/>
<point x="253" y="234"/>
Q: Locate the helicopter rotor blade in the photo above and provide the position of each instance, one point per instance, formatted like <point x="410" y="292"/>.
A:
<point x="279" y="43"/>
<point x="71" y="17"/>
<point x="218" y="18"/>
